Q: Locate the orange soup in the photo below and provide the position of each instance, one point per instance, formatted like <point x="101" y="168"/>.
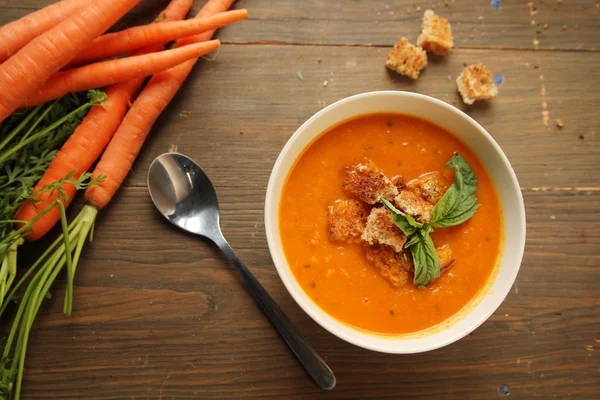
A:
<point x="337" y="275"/>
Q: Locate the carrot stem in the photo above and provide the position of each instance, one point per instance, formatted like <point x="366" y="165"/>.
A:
<point x="67" y="244"/>
<point x="21" y="125"/>
<point x="38" y="135"/>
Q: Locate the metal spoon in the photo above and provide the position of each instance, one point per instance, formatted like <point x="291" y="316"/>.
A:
<point x="186" y="197"/>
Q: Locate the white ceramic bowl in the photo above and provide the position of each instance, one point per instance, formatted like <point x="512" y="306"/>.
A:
<point x="498" y="167"/>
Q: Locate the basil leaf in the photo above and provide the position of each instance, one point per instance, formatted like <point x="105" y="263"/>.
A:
<point x="462" y="213"/>
<point x="412" y="240"/>
<point x="406" y="223"/>
<point x="459" y="203"/>
<point x="426" y="261"/>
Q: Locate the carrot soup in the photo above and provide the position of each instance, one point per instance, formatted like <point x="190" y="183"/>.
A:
<point x="361" y="271"/>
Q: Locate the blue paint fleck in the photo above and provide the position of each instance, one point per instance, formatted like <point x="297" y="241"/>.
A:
<point x="495" y="4"/>
<point x="503" y="390"/>
<point x="498" y="79"/>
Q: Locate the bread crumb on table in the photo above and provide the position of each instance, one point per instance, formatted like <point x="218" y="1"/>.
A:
<point x="476" y="82"/>
<point x="406" y="59"/>
<point x="436" y="34"/>
<point x="560" y="123"/>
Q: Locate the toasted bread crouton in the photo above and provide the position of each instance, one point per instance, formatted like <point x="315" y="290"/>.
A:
<point x="346" y="220"/>
<point x="398" y="181"/>
<point x="367" y="183"/>
<point x="436" y="34"/>
<point x="381" y="229"/>
<point x="430" y="186"/>
<point x="413" y="205"/>
<point x="446" y="257"/>
<point x="393" y="266"/>
<point x="476" y="83"/>
<point x="406" y="59"/>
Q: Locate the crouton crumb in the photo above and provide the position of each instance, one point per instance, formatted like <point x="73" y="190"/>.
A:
<point x="393" y="266"/>
<point x="346" y="220"/>
<point x="411" y="204"/>
<point x="398" y="181"/>
<point x="436" y="34"/>
<point x="367" y="183"/>
<point x="446" y="257"/>
<point x="381" y="229"/>
<point x="406" y="59"/>
<point x="476" y="83"/>
<point x="560" y="123"/>
<point x="430" y="186"/>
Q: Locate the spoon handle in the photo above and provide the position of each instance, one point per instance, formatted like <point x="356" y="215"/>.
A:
<point x="312" y="362"/>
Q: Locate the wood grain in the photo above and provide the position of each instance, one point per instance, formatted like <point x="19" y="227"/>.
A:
<point x="152" y="303"/>
<point x="475" y="24"/>
<point x="159" y="315"/>
<point x="254" y="89"/>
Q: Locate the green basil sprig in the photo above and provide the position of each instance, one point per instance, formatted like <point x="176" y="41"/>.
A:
<point x="459" y="203"/>
<point x="456" y="206"/>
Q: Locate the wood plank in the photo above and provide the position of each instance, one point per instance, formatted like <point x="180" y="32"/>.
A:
<point x="254" y="89"/>
<point x="158" y="314"/>
<point x="475" y="24"/>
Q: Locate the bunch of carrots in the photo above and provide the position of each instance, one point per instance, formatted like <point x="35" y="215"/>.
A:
<point x="62" y="49"/>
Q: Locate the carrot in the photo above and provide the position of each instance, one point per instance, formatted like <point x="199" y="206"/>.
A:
<point x="129" y="138"/>
<point x="87" y="142"/>
<point x="124" y="41"/>
<point x="112" y="71"/>
<point x="175" y="11"/>
<point x="16" y="34"/>
<point x="24" y="73"/>
<point x="212" y="7"/>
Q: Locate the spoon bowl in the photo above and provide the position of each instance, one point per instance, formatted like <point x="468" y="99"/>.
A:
<point x="185" y="196"/>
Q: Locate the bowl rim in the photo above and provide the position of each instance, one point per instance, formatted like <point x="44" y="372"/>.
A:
<point x="320" y="316"/>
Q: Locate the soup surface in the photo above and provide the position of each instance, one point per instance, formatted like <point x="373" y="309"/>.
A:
<point x="337" y="275"/>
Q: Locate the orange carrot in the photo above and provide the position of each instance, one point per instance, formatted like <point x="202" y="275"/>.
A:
<point x="129" y="138"/>
<point x="175" y="11"/>
<point x="124" y="41"/>
<point x="108" y="72"/>
<point x="16" y="34"/>
<point x="212" y="7"/>
<point x="25" y="72"/>
<point x="88" y="141"/>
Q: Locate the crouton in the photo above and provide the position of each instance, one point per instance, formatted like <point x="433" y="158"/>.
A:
<point x="346" y="220"/>
<point x="446" y="257"/>
<point x="413" y="205"/>
<point x="393" y="266"/>
<point x="367" y="183"/>
<point x="396" y="266"/>
<point x="430" y="186"/>
<point x="406" y="59"/>
<point x="436" y="34"/>
<point x="476" y="83"/>
<point x="381" y="229"/>
<point x="398" y="181"/>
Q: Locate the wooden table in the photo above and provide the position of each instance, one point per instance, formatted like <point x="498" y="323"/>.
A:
<point x="159" y="314"/>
